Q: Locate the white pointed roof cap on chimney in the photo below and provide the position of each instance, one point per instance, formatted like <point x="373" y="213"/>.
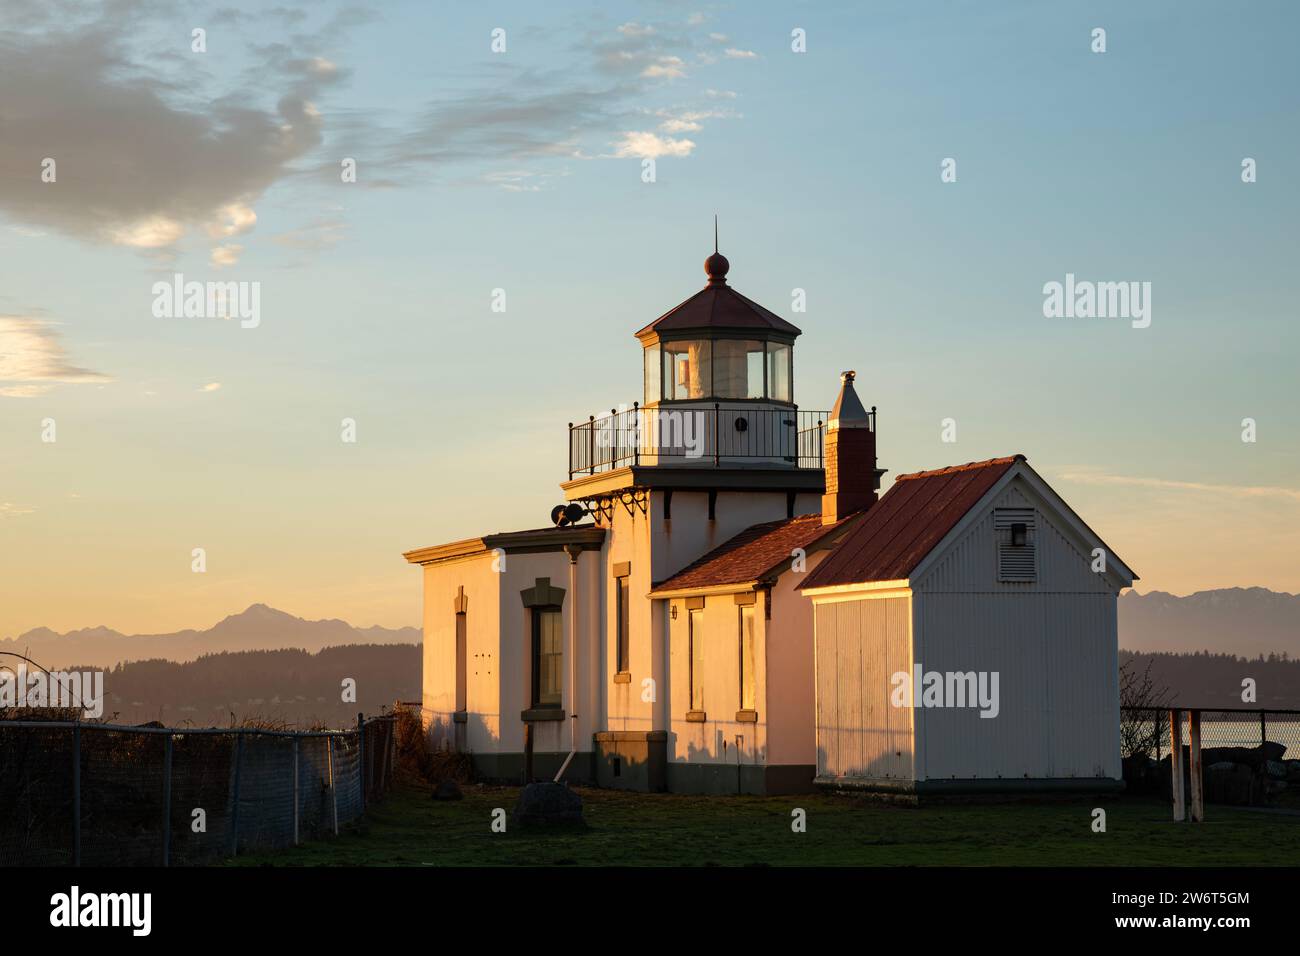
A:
<point x="848" y="411"/>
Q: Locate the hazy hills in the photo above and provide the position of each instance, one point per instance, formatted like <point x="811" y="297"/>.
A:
<point x="257" y="628"/>
<point x="1246" y="622"/>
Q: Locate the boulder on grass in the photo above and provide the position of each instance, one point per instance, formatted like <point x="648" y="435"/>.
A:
<point x="544" y="804"/>
<point x="447" y="789"/>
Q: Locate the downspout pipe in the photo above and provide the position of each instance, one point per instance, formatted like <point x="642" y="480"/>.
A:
<point x="571" y="653"/>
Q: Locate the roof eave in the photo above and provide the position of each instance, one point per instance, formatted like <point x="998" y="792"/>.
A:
<point x="739" y="587"/>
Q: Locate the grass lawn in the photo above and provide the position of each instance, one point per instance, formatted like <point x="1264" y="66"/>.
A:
<point x="410" y="829"/>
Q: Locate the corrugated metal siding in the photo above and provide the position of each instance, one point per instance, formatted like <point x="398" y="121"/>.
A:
<point x="859" y="646"/>
<point x="1058" y="687"/>
<point x="970" y="564"/>
<point x="1054" y="643"/>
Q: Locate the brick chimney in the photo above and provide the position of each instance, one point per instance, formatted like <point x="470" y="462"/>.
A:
<point x="852" y="479"/>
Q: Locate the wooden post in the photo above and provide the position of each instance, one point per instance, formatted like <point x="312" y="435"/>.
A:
<point x="334" y="794"/>
<point x="234" y="800"/>
<point x="167" y="802"/>
<point x="76" y="795"/>
<point x="528" y="753"/>
<point x="388" y="754"/>
<point x="1198" y="785"/>
<point x="1176" y="763"/>
<point x="361" y="758"/>
<point x="297" y="801"/>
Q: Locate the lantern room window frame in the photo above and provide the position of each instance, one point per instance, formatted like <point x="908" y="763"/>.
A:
<point x="657" y="353"/>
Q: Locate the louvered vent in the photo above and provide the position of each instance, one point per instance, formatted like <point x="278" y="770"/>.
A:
<point x="1016" y="537"/>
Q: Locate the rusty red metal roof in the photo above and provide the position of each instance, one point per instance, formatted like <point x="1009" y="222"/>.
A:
<point x="719" y="306"/>
<point x="753" y="554"/>
<point x="907" y="523"/>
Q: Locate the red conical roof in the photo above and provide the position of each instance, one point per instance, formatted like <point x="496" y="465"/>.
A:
<point x="719" y="306"/>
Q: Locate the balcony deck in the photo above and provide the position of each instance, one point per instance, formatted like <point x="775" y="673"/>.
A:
<point x="705" y="435"/>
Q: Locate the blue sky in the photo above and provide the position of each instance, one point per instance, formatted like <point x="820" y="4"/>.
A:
<point x="522" y="171"/>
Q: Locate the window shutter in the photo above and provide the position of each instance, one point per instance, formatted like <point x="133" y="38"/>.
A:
<point x="1016" y="563"/>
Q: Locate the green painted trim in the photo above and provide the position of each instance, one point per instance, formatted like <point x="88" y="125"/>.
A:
<point x="542" y="594"/>
<point x="538" y="714"/>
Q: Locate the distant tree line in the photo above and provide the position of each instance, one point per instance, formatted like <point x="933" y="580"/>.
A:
<point x="289" y="686"/>
<point x="1209" y="679"/>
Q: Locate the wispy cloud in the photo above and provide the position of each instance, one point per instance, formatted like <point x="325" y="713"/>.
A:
<point x="210" y="387"/>
<point x="9" y="510"/>
<point x="1164" y="484"/>
<point x="529" y="116"/>
<point x="32" y="358"/>
<point x="134" y="164"/>
<point x="642" y="145"/>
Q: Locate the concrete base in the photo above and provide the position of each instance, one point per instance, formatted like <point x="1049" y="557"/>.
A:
<point x="974" y="785"/>
<point x="631" y="760"/>
<point x="717" y="778"/>
<point x="508" y="768"/>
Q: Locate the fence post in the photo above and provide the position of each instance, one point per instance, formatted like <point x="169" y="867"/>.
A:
<point x="388" y="753"/>
<point x="361" y="758"/>
<point x="167" y="802"/>
<point x="1198" y="786"/>
<point x="296" y="799"/>
<point x="1263" y="733"/>
<point x="234" y="805"/>
<point x="76" y="795"/>
<point x="1176" y="762"/>
<point x="334" y="794"/>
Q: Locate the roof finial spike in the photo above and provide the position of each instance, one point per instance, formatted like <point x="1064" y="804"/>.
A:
<point x="716" y="265"/>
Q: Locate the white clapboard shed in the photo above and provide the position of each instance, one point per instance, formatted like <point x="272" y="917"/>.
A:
<point x="998" y="603"/>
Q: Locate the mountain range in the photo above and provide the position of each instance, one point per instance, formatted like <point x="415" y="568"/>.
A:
<point x="1246" y="622"/>
<point x="259" y="627"/>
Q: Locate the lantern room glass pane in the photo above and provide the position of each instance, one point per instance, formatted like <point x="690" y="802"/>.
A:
<point x="738" y="368"/>
<point x="653" y="378"/>
<point x="687" y="370"/>
<point x="779" y="372"/>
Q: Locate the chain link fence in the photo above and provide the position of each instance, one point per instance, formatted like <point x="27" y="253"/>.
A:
<point x="103" y="795"/>
<point x="1248" y="756"/>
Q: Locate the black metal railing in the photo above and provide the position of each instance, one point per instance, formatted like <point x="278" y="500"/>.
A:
<point x="707" y="435"/>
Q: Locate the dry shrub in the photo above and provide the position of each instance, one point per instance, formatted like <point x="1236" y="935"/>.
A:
<point x="416" y="762"/>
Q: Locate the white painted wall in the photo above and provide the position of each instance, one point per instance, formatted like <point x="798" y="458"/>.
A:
<point x="790" y="711"/>
<point x="861" y="642"/>
<point x="498" y="642"/>
<point x="714" y="740"/>
<point x="1054" y="643"/>
<point x="482" y="589"/>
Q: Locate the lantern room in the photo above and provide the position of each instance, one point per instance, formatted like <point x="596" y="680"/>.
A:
<point x="719" y="346"/>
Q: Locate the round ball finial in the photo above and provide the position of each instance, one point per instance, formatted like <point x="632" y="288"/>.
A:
<point x="716" y="267"/>
<point x="846" y="378"/>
